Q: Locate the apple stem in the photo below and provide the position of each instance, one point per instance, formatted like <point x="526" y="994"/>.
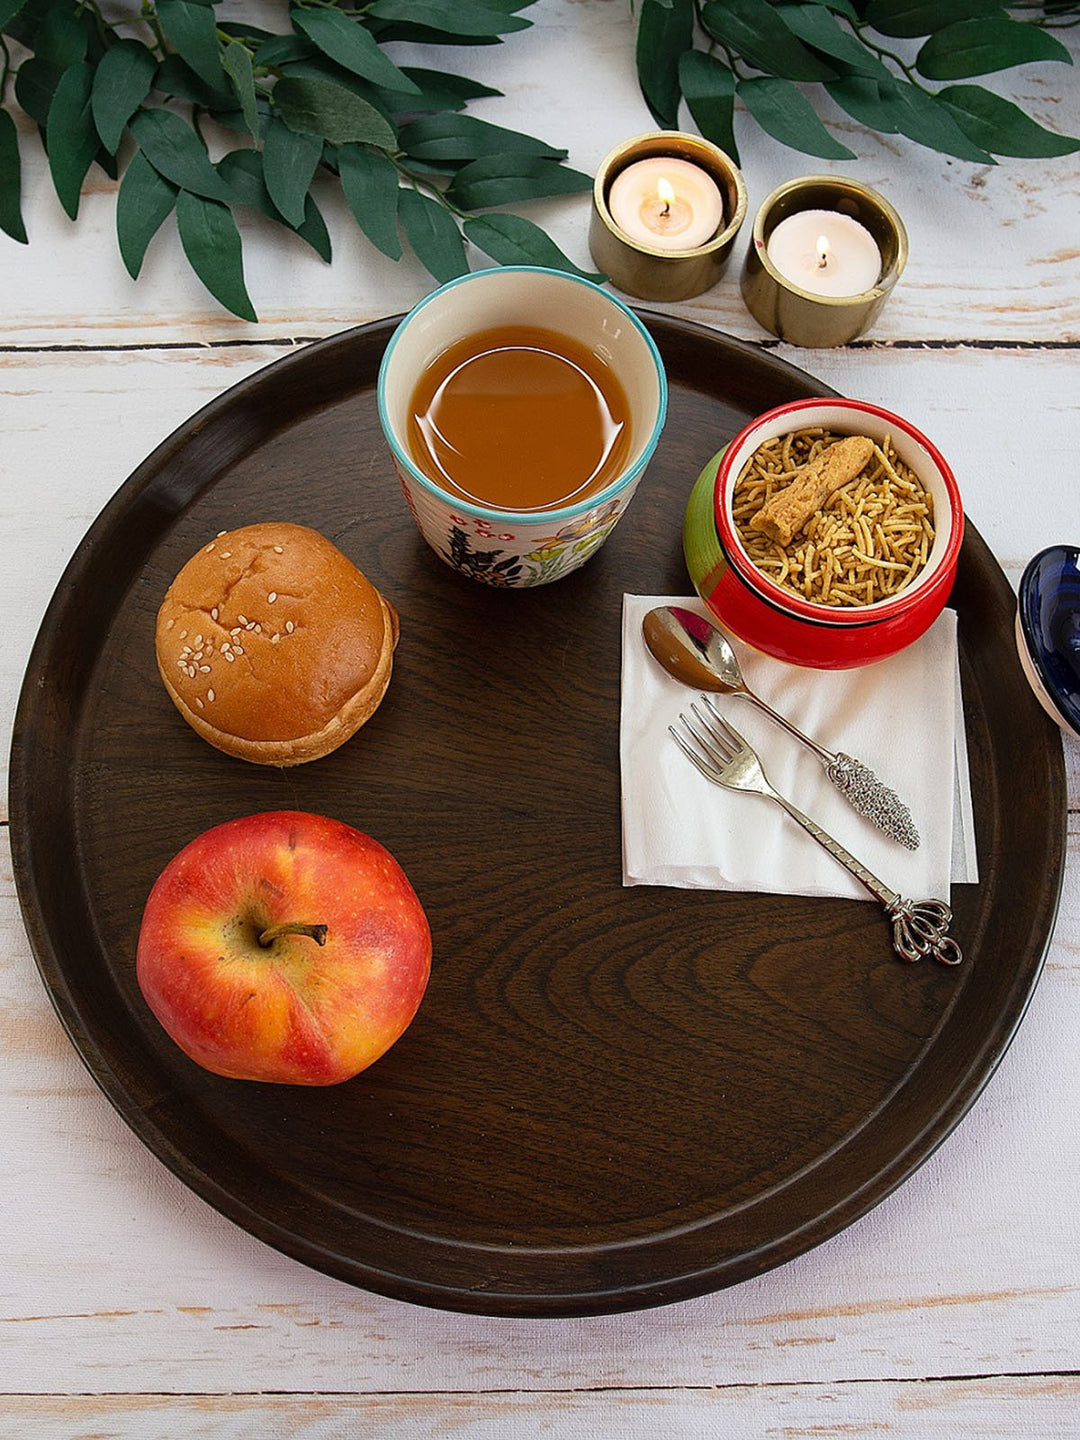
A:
<point x="274" y="932"/>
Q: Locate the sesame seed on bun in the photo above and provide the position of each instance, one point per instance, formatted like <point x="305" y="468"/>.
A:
<point x="273" y="646"/>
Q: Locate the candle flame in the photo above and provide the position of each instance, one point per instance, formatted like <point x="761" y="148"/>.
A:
<point x="824" y="250"/>
<point x="666" y="193"/>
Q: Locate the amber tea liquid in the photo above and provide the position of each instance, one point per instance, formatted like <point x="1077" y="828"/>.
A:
<point x="519" y="418"/>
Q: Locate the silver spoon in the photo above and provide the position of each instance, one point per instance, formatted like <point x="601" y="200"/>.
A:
<point x="695" y="652"/>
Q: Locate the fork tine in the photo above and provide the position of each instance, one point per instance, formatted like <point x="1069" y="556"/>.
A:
<point x="731" y="737"/>
<point x="705" y="738"/>
<point x="708" y="770"/>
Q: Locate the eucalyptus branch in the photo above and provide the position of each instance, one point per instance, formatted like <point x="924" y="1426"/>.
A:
<point x="780" y="54"/>
<point x="150" y="18"/>
<point x="350" y="115"/>
<point x="426" y="186"/>
<point x="882" y="52"/>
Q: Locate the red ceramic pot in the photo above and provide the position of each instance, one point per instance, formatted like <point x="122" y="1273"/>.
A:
<point x="799" y="631"/>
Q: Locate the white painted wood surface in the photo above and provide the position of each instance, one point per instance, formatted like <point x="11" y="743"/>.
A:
<point x="129" y="1308"/>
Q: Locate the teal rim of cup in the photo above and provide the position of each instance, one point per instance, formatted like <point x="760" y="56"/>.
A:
<point x="525" y="517"/>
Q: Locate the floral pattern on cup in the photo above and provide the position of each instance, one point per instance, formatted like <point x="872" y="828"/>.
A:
<point x="551" y="558"/>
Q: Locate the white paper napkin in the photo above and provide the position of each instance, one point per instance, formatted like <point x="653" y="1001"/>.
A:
<point x="899" y="716"/>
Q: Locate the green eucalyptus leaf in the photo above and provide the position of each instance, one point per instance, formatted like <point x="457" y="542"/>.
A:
<point x="192" y="29"/>
<point x="212" y="245"/>
<point x="469" y="18"/>
<point x="11" y="220"/>
<point x="434" y="92"/>
<point x="912" y="18"/>
<point x="458" y="87"/>
<point x="242" y="171"/>
<point x="975" y="47"/>
<point x="785" y="113"/>
<point x="755" y="31"/>
<point x="709" y="87"/>
<point x="61" y="37"/>
<point x="71" y="137"/>
<point x="433" y="235"/>
<point x="385" y="32"/>
<point x="26" y="16"/>
<point x="35" y="86"/>
<point x="444" y="168"/>
<point x="8" y="11"/>
<point x="290" y="160"/>
<point x="122" y="82"/>
<point x="923" y="119"/>
<point x="319" y="107"/>
<point x="177" y="153"/>
<point x="463" y="137"/>
<point x="664" y="33"/>
<point x="236" y="62"/>
<point x="239" y="31"/>
<point x="513" y="240"/>
<point x="176" y="77"/>
<point x="321" y="67"/>
<point x="351" y="46"/>
<point x="866" y="101"/>
<point x="370" y="185"/>
<point x="1000" y="126"/>
<point x="313" y="231"/>
<point x="503" y="179"/>
<point x="815" y="26"/>
<point x="283" y="49"/>
<point x="142" y="204"/>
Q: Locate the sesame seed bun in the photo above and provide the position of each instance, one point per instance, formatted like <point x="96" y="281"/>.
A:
<point x="272" y="644"/>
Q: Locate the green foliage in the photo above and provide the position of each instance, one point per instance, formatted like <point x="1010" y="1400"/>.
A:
<point x="323" y="104"/>
<point x="144" y="201"/>
<point x="10" y="179"/>
<point x="513" y="240"/>
<point x="772" y="54"/>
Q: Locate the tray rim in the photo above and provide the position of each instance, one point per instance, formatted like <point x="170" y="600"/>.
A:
<point x="964" y="1091"/>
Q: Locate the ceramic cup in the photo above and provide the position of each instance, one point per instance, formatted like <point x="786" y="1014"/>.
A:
<point x="506" y="547"/>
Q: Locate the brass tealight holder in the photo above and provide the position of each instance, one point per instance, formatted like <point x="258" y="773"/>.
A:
<point x="799" y="316"/>
<point x="651" y="273"/>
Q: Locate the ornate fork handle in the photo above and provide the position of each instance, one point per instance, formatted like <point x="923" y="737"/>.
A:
<point x="919" y="926"/>
<point x="858" y="784"/>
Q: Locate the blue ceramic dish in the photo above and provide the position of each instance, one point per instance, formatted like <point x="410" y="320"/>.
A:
<point x="1048" y="631"/>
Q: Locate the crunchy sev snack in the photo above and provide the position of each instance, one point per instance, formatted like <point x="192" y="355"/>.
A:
<point x="786" y="511"/>
<point x="865" y="543"/>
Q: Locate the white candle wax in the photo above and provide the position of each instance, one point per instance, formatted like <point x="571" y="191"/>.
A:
<point x="826" y="253"/>
<point x="666" y="203"/>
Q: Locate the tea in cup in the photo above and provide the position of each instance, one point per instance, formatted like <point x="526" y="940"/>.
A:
<point x="521" y="406"/>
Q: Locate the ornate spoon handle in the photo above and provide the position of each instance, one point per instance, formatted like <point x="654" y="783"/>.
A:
<point x="858" y="784"/>
<point x="919" y="926"/>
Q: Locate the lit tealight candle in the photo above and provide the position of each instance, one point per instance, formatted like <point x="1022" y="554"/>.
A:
<point x="666" y="203"/>
<point x="825" y="253"/>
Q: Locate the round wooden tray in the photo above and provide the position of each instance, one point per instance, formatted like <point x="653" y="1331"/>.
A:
<point x="610" y="1098"/>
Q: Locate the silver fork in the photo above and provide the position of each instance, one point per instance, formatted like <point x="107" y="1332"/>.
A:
<point x="724" y="757"/>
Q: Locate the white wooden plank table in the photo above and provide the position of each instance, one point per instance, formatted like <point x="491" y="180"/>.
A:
<point x="127" y="1306"/>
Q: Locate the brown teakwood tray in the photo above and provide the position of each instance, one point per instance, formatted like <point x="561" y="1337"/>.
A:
<point x="610" y="1098"/>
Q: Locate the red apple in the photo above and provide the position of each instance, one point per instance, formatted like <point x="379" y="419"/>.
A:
<point x="284" y="946"/>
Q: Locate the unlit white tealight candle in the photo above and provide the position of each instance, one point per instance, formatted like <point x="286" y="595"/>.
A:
<point x="826" y="253"/>
<point x="666" y="203"/>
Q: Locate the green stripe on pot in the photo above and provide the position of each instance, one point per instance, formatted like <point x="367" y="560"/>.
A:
<point x="701" y="546"/>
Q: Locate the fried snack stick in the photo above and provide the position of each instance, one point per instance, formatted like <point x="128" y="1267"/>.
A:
<point x="784" y="514"/>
